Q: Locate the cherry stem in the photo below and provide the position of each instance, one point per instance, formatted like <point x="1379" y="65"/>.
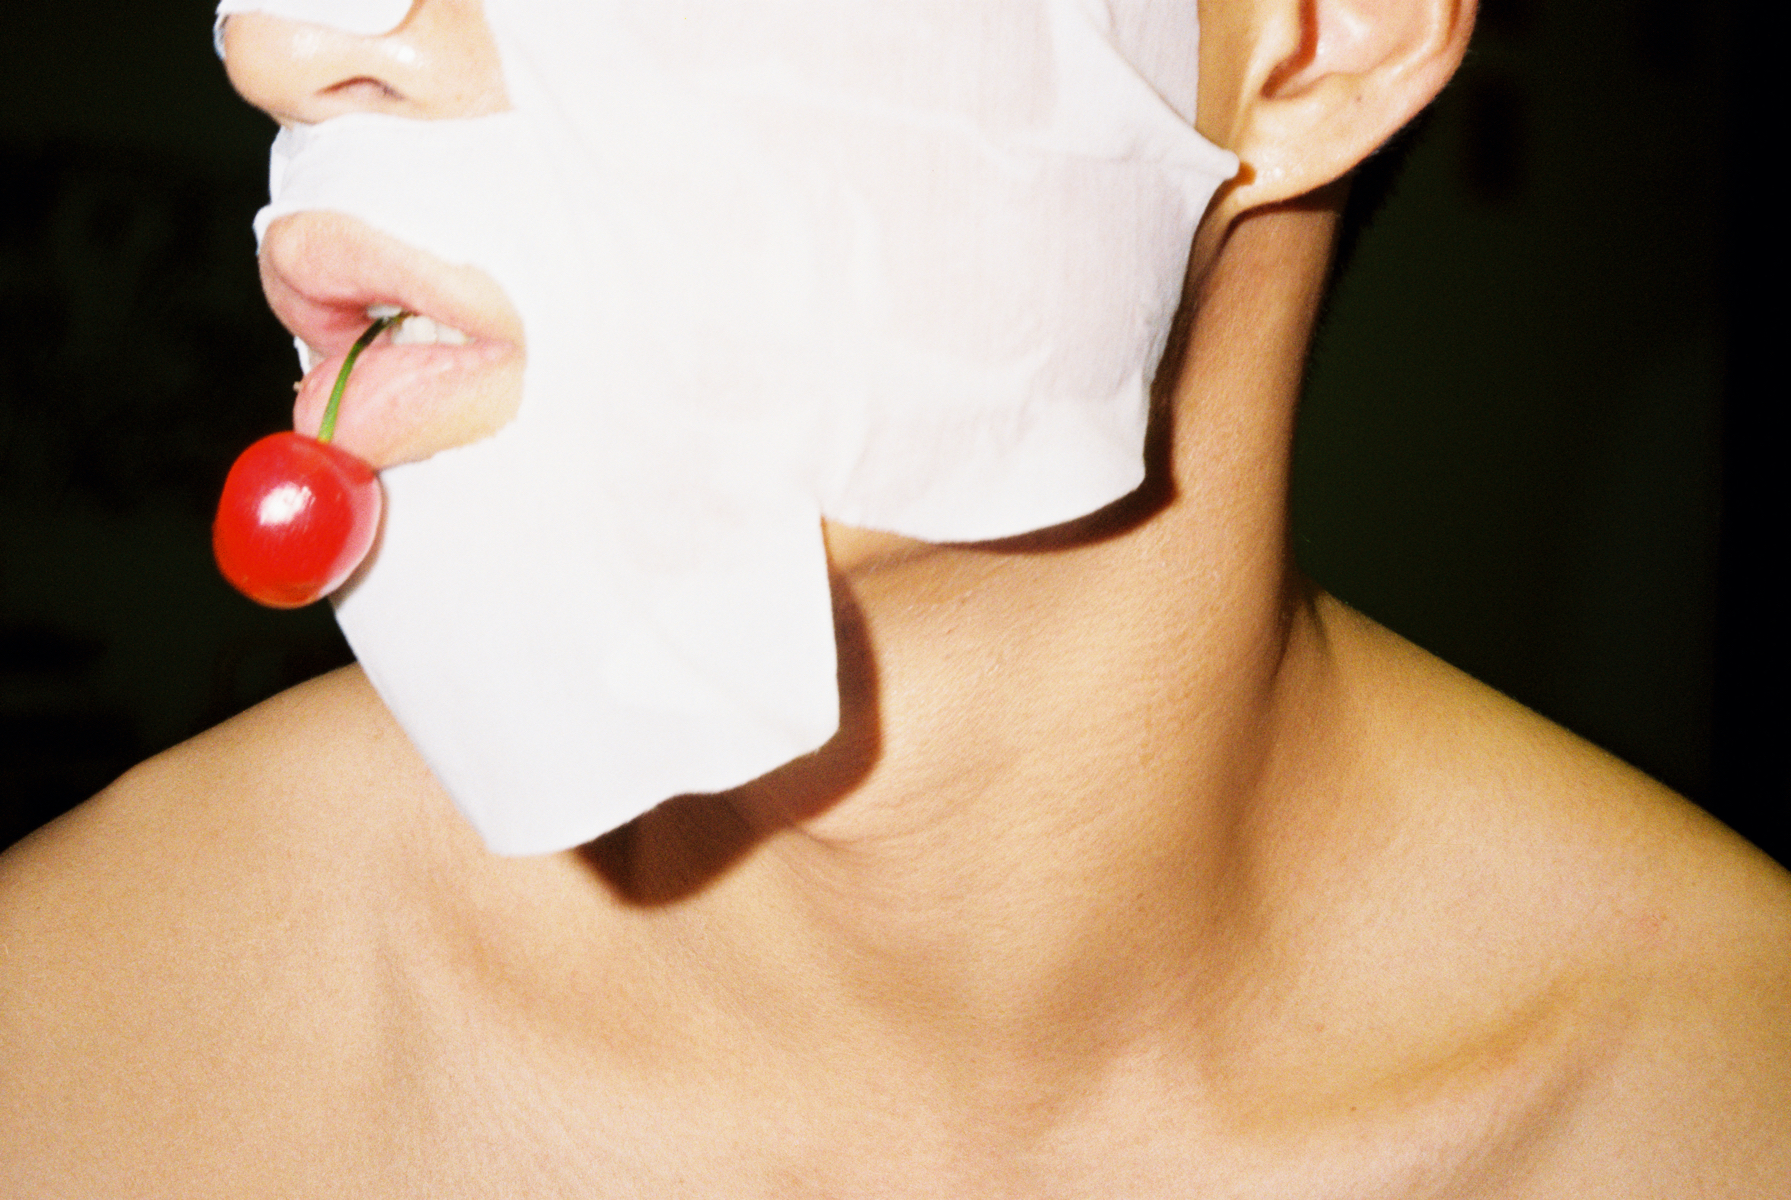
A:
<point x="327" y="430"/>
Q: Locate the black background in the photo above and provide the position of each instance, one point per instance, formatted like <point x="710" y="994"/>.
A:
<point x="1535" y="439"/>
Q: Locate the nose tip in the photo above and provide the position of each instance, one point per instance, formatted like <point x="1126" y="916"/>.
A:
<point x="440" y="63"/>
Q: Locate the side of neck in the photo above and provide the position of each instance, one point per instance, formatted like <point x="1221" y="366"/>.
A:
<point x="1050" y="745"/>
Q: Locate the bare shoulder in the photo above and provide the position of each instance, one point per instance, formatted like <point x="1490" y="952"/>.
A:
<point x="165" y="943"/>
<point x="1674" y="931"/>
<point x="258" y="804"/>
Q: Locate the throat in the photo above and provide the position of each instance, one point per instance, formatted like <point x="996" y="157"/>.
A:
<point x="1033" y="821"/>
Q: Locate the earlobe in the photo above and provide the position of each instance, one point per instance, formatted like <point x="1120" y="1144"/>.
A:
<point x="1303" y="90"/>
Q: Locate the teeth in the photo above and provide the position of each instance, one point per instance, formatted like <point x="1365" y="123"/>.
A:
<point x="422" y="331"/>
<point x="417" y="331"/>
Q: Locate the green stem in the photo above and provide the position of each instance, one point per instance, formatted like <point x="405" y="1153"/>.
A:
<point x="327" y="430"/>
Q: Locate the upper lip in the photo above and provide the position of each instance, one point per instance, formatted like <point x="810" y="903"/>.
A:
<point x="321" y="271"/>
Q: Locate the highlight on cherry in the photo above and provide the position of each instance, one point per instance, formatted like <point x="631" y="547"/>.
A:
<point x="298" y="514"/>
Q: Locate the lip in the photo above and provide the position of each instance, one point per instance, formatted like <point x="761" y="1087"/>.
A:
<point x="321" y="271"/>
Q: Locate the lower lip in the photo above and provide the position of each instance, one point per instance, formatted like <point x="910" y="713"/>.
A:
<point x="402" y="403"/>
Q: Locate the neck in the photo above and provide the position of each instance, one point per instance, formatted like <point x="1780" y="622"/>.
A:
<point x="1044" y="803"/>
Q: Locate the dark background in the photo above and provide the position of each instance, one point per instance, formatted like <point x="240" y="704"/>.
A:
<point x="1534" y="440"/>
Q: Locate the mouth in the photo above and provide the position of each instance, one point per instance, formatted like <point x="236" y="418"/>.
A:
<point x="447" y="375"/>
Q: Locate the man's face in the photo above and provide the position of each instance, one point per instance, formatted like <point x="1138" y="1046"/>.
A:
<point x="906" y="265"/>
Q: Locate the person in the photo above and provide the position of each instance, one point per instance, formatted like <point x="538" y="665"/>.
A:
<point x="1138" y="867"/>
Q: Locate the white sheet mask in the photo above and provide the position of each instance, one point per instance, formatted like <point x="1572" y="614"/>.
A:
<point x="909" y="264"/>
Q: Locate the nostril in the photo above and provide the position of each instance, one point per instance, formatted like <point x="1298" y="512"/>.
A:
<point x="363" y="88"/>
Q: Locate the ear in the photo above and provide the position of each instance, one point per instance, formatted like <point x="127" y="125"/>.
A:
<point x="1303" y="90"/>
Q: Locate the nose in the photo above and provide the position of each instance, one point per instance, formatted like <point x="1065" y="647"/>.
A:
<point x="441" y="62"/>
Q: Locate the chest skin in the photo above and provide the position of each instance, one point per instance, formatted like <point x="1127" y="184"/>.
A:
<point x="301" y="1086"/>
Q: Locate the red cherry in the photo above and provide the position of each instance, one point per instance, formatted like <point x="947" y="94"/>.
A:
<point x="296" y="518"/>
<point x="298" y="514"/>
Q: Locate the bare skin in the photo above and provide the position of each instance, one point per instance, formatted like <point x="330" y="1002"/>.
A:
<point x="1137" y="869"/>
